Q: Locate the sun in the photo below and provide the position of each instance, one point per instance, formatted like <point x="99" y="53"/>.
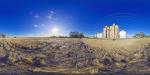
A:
<point x="55" y="32"/>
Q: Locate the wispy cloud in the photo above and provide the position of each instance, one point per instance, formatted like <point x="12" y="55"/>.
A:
<point x="43" y="25"/>
<point x="50" y="14"/>
<point x="36" y="16"/>
<point x="35" y="25"/>
<point x="68" y="17"/>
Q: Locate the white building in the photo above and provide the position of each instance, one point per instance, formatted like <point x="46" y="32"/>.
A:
<point x="123" y="34"/>
<point x="99" y="35"/>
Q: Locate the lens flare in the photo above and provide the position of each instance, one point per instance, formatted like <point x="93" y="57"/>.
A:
<point x="55" y="32"/>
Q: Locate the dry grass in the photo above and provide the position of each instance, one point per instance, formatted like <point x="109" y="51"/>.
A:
<point x="120" y="50"/>
<point x="119" y="43"/>
<point x="73" y="56"/>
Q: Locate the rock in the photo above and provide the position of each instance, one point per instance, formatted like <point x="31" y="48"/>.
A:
<point x="2" y="64"/>
<point x="108" y="61"/>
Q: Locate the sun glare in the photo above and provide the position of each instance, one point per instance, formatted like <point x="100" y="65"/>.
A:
<point x="55" y="31"/>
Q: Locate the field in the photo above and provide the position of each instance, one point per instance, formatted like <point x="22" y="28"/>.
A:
<point x="74" y="56"/>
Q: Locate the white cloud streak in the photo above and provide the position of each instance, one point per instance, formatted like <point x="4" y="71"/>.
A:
<point x="35" y="25"/>
<point x="36" y="16"/>
<point x="51" y="14"/>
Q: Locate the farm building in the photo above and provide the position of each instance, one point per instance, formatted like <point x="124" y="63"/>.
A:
<point x="123" y="34"/>
<point x="99" y="35"/>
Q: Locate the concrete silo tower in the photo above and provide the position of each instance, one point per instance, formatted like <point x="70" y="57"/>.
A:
<point x="116" y="31"/>
<point x="108" y="32"/>
<point x="112" y="33"/>
<point x="105" y="32"/>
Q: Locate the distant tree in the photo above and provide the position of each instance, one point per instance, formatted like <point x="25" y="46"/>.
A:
<point x="62" y="36"/>
<point x="53" y="36"/>
<point x="76" y="35"/>
<point x="2" y="35"/>
<point x="148" y="36"/>
<point x="140" y="35"/>
<point x="81" y="35"/>
<point x="73" y="34"/>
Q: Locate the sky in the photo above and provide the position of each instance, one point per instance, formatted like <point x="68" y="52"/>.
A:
<point x="40" y="17"/>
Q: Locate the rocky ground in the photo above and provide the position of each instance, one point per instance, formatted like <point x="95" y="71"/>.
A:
<point x="71" y="56"/>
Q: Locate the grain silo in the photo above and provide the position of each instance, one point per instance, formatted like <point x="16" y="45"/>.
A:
<point x="108" y="32"/>
<point x="105" y="32"/>
<point x="112" y="34"/>
<point x="116" y="31"/>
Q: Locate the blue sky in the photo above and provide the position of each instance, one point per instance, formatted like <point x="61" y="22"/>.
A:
<point x="39" y="17"/>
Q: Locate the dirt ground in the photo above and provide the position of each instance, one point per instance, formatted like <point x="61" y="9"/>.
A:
<point x="74" y="56"/>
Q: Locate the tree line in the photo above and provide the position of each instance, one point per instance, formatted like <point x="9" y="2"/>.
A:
<point x="2" y="35"/>
<point x="76" y="35"/>
<point x="81" y="35"/>
<point x="141" y="35"/>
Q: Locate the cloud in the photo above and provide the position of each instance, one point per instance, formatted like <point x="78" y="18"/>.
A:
<point x="50" y="14"/>
<point x="35" y="25"/>
<point x="68" y="17"/>
<point x="43" y="25"/>
<point x="51" y="11"/>
<point x="36" y="16"/>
